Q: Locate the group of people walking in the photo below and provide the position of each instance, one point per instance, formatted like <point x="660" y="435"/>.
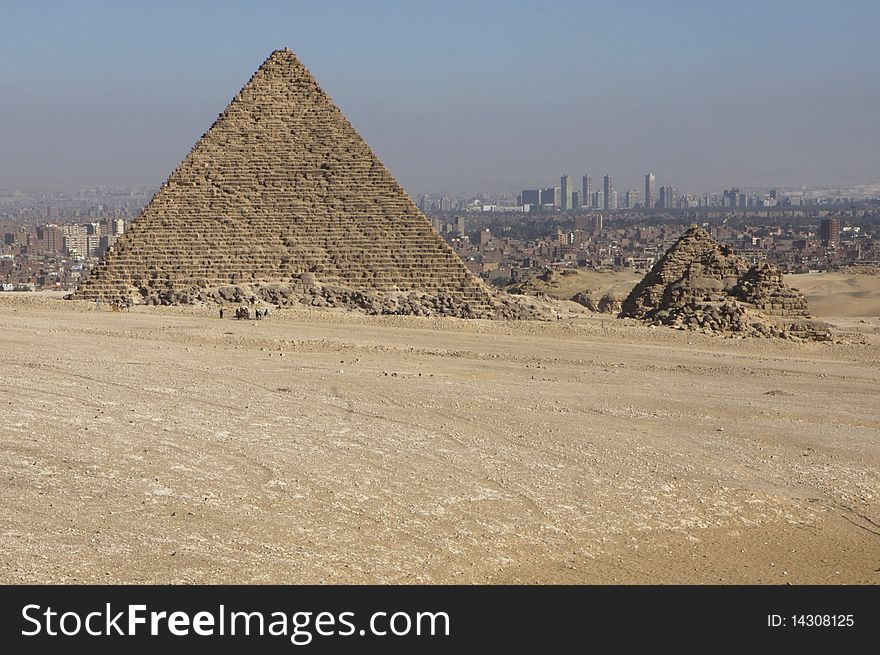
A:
<point x="244" y="312"/>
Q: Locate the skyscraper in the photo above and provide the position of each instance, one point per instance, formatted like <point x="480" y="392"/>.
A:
<point x="829" y="232"/>
<point x="632" y="198"/>
<point x="668" y="197"/>
<point x="650" y="185"/>
<point x="531" y="197"/>
<point x="565" y="184"/>
<point x="609" y="187"/>
<point x="587" y="190"/>
<point x="551" y="196"/>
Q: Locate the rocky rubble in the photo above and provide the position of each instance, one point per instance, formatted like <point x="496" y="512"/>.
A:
<point x="307" y="291"/>
<point x="608" y="303"/>
<point x="701" y="285"/>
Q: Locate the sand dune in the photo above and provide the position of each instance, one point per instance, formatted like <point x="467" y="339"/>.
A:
<point x="166" y="445"/>
<point x="839" y="294"/>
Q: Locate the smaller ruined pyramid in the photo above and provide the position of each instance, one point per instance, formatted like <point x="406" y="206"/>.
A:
<point x="700" y="284"/>
<point x="282" y="200"/>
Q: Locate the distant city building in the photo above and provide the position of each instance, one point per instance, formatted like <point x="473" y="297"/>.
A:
<point x="118" y="227"/>
<point x="551" y="196"/>
<point x="566" y="191"/>
<point x="75" y="241"/>
<point x="445" y="204"/>
<point x="829" y="232"/>
<point x="668" y="198"/>
<point x="731" y="198"/>
<point x="612" y="204"/>
<point x="576" y="200"/>
<point x="531" y="197"/>
<point x="598" y="200"/>
<point x="767" y="200"/>
<point x="485" y="236"/>
<point x="586" y="190"/>
<point x="608" y="188"/>
<point x="633" y="198"/>
<point x="425" y="204"/>
<point x="650" y="184"/>
<point x="597" y="224"/>
<point x="51" y="238"/>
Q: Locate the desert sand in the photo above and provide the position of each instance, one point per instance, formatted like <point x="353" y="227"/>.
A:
<point x="839" y="294"/>
<point x="166" y="445"/>
<point x="598" y="283"/>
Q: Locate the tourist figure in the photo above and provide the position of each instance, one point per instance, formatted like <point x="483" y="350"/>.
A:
<point x="221" y="312"/>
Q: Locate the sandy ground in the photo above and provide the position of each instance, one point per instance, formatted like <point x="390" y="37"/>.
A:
<point x="166" y="445"/>
<point x="618" y="283"/>
<point x="839" y="294"/>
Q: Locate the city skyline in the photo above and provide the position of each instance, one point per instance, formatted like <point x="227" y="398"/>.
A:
<point x="774" y="104"/>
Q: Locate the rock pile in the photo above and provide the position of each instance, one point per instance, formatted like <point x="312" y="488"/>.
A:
<point x="307" y="291"/>
<point x="279" y="187"/>
<point x="701" y="285"/>
<point x="607" y="303"/>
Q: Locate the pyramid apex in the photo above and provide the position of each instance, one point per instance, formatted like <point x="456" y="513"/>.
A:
<point x="696" y="232"/>
<point x="284" y="56"/>
<point x="282" y="52"/>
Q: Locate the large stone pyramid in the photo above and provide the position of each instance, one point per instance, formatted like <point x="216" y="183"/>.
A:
<point x="701" y="285"/>
<point x="281" y="198"/>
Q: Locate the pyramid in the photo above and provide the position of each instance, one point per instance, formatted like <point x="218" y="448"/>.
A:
<point x="701" y="285"/>
<point x="281" y="198"/>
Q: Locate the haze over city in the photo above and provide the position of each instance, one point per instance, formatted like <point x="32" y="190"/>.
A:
<point x="462" y="96"/>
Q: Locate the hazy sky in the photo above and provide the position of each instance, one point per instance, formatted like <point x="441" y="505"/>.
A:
<point x="457" y="96"/>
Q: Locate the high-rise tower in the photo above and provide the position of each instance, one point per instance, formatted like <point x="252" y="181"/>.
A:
<point x="609" y="189"/>
<point x="565" y="185"/>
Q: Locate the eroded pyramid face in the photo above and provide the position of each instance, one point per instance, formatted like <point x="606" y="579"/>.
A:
<point x="281" y="187"/>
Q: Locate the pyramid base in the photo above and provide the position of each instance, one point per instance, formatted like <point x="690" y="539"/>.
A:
<point x="485" y="304"/>
<point x="736" y="318"/>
